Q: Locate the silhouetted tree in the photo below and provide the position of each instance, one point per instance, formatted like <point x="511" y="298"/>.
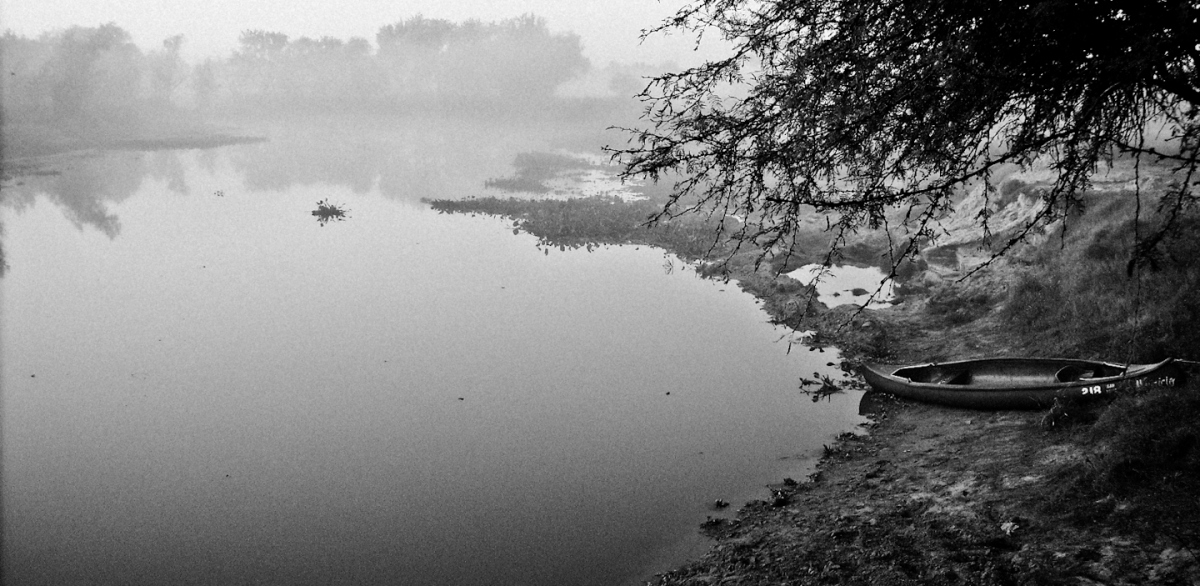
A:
<point x="857" y="108"/>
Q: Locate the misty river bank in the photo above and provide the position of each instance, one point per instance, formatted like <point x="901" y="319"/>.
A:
<point x="909" y="502"/>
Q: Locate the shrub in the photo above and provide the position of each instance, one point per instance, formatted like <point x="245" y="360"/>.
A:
<point x="1033" y="301"/>
<point x="1145" y="434"/>
<point x="959" y="305"/>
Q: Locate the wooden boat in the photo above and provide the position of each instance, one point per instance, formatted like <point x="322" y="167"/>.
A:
<point x="1014" y="383"/>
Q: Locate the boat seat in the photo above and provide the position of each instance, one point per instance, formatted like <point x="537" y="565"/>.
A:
<point x="962" y="377"/>
<point x="1073" y="373"/>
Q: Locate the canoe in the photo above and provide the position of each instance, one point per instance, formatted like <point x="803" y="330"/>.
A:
<point x="1014" y="383"/>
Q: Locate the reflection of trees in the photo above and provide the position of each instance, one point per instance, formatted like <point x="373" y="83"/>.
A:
<point x="84" y="187"/>
<point x="307" y="154"/>
<point x="408" y="159"/>
<point x="411" y="158"/>
<point x="165" y="166"/>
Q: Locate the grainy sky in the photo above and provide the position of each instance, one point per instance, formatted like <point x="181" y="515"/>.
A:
<point x="609" y="28"/>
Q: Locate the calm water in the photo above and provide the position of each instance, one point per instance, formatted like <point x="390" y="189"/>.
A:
<point x="845" y="284"/>
<point x="201" y="385"/>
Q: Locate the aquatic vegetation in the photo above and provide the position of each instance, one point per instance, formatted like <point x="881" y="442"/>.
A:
<point x="585" y="222"/>
<point x="824" y="386"/>
<point x="328" y="212"/>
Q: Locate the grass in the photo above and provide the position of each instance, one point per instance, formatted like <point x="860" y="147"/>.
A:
<point x="1151" y="433"/>
<point x="958" y="305"/>
<point x="1077" y="296"/>
<point x="1141" y="472"/>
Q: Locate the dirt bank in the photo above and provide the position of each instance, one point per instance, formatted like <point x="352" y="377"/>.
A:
<point x="938" y="496"/>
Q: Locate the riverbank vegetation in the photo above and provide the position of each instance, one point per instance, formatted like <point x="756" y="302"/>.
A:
<point x="1071" y="290"/>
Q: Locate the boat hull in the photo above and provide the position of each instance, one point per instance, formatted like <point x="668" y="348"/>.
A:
<point x="1014" y="383"/>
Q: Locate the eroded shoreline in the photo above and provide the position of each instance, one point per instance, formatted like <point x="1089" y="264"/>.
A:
<point x="941" y="496"/>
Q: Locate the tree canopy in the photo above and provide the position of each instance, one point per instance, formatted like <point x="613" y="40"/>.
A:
<point x="878" y="110"/>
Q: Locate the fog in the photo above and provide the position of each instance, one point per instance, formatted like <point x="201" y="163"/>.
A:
<point x="609" y="29"/>
<point x="204" y="383"/>
<point x="84" y="87"/>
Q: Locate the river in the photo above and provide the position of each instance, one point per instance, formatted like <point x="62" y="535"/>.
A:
<point x="203" y="385"/>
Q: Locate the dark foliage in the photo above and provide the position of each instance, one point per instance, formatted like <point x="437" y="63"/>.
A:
<point x="1142" y="455"/>
<point x="330" y="212"/>
<point x="879" y="112"/>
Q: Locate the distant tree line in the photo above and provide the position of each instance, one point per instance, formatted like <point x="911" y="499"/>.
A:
<point x="97" y="72"/>
<point x="86" y="72"/>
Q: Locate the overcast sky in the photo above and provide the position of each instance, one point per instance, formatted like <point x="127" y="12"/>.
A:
<point x="609" y="28"/>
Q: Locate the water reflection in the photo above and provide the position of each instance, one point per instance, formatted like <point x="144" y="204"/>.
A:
<point x="402" y="158"/>
<point x="407" y="158"/>
<point x="83" y="188"/>
<point x="844" y="285"/>
<point x="167" y="167"/>
<point x="224" y="395"/>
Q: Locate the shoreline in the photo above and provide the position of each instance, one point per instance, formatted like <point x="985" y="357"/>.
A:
<point x="31" y="149"/>
<point x="934" y="495"/>
<point x="930" y="496"/>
